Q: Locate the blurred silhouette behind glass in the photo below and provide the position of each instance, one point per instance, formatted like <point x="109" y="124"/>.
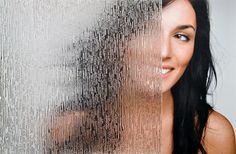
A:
<point x="76" y="76"/>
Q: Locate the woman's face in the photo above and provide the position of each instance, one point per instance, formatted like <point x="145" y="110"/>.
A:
<point x="176" y="47"/>
<point x="178" y="37"/>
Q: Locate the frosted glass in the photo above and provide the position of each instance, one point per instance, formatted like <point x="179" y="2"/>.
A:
<point x="80" y="76"/>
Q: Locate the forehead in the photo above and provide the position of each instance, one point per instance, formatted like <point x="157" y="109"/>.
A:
<point x="179" y="12"/>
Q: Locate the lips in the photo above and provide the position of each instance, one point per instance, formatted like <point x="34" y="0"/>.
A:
<point x="165" y="70"/>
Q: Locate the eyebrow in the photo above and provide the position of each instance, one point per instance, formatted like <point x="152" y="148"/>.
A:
<point x="182" y="27"/>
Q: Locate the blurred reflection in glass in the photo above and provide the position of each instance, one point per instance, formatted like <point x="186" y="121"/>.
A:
<point x="80" y="77"/>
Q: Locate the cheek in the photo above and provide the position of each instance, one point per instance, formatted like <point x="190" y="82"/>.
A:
<point x="183" y="55"/>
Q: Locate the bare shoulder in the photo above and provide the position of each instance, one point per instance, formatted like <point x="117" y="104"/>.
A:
<point x="219" y="137"/>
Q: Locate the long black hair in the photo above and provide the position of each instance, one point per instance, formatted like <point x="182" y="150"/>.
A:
<point x="191" y="110"/>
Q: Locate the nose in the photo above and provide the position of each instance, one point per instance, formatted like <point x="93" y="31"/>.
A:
<point x="165" y="46"/>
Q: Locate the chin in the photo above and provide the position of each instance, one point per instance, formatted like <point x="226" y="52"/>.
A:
<point x="165" y="88"/>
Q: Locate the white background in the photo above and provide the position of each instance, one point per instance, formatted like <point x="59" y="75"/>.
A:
<point x="223" y="36"/>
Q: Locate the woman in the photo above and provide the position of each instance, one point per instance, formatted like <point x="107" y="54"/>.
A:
<point x="192" y="125"/>
<point x="189" y="124"/>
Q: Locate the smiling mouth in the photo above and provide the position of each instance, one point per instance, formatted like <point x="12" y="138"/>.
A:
<point x="166" y="71"/>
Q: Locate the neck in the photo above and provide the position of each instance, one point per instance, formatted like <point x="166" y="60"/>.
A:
<point x="141" y="122"/>
<point x="167" y="109"/>
<point x="167" y="104"/>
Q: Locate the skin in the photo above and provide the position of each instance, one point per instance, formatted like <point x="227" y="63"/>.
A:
<point x="176" y="52"/>
<point x="178" y="33"/>
<point x="143" y="59"/>
<point x="177" y="49"/>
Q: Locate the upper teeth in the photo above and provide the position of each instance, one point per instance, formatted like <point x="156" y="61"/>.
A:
<point x="164" y="71"/>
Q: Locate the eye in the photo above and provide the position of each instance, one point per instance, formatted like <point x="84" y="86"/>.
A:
<point x="182" y="37"/>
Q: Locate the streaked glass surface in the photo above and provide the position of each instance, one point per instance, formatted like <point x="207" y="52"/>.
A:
<point x="79" y="76"/>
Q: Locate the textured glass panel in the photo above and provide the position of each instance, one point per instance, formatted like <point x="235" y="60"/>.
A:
<point x="80" y="76"/>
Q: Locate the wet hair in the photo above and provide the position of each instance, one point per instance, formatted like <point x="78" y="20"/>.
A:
<point x="191" y="109"/>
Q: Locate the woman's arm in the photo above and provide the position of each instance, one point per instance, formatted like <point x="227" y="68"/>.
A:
<point x="64" y="128"/>
<point x="219" y="137"/>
